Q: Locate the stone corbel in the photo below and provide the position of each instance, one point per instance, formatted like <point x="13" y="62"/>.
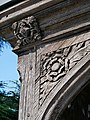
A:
<point x="26" y="31"/>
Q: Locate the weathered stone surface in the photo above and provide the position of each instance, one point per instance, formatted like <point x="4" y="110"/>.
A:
<point x="60" y="62"/>
<point x="26" y="31"/>
<point x="55" y="67"/>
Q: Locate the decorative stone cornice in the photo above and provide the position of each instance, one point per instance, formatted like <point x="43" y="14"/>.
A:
<point x="55" y="21"/>
<point x="26" y="31"/>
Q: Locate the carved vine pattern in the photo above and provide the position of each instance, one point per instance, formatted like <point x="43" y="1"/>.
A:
<point x="55" y="65"/>
<point x="26" y="31"/>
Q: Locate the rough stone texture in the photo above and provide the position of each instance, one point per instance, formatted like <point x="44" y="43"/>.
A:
<point x="55" y="65"/>
<point x="26" y="31"/>
<point x="54" y="68"/>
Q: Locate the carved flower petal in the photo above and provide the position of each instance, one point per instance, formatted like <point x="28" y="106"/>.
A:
<point x="57" y="55"/>
<point x="53" y="74"/>
<point x="59" y="76"/>
<point x="53" y="60"/>
<point x="46" y="63"/>
<point x="49" y="78"/>
<point x="61" y="61"/>
<point x="60" y="70"/>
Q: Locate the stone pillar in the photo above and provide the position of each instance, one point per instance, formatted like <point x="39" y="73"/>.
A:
<point x="27" y="32"/>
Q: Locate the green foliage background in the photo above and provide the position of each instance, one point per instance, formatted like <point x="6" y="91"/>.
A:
<point x="9" y="102"/>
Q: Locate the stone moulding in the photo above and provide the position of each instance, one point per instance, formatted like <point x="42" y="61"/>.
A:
<point x="9" y="16"/>
<point x="55" y="65"/>
<point x="26" y="31"/>
<point x="30" y="9"/>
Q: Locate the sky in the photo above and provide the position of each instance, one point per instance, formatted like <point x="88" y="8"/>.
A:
<point x="8" y="62"/>
<point x="4" y="1"/>
<point x="8" y="65"/>
<point x="8" y="68"/>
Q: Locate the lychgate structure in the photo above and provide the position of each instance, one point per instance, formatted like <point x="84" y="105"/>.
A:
<point x="52" y="41"/>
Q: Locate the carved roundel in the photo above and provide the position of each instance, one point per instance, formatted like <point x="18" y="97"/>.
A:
<point x="54" y="67"/>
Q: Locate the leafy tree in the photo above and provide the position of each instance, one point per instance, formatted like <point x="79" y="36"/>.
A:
<point x="3" y="43"/>
<point x="9" y="102"/>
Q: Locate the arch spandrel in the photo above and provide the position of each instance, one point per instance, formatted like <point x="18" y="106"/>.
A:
<point x="65" y="91"/>
<point x="55" y="65"/>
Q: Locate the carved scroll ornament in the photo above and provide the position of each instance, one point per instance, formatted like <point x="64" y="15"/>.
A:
<point x="26" y="31"/>
<point x="55" y="65"/>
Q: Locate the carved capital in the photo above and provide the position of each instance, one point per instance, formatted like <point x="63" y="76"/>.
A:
<point x="26" y="31"/>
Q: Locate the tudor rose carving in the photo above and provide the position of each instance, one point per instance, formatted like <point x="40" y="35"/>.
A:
<point x="26" y="31"/>
<point x="55" y="65"/>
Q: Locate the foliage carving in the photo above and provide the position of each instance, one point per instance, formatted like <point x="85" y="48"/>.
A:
<point x="55" y="65"/>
